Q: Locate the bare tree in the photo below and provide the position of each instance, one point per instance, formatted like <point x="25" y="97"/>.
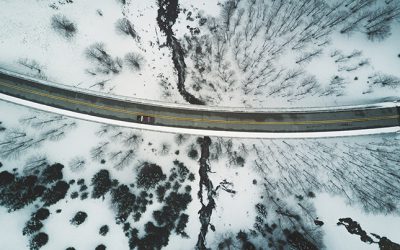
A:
<point x="378" y="23"/>
<point x="308" y="56"/>
<point x="132" y="139"/>
<point x="63" y="26"/>
<point x="35" y="165"/>
<point x="99" y="151"/>
<point x="33" y="65"/>
<point x="384" y="80"/>
<point x="165" y="148"/>
<point x="77" y="164"/>
<point x="123" y="159"/>
<point x="14" y="143"/>
<point x="125" y="27"/>
<point x="181" y="138"/>
<point x="134" y="61"/>
<point x="105" y="63"/>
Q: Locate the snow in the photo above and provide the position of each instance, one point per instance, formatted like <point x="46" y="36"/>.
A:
<point x="233" y="212"/>
<point x="62" y="234"/>
<point x="330" y="209"/>
<point x="64" y="61"/>
<point x="25" y="32"/>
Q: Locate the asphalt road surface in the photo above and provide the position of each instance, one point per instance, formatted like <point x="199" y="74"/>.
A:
<point x="139" y="112"/>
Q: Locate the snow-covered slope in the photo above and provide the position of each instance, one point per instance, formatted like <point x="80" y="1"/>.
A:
<point x="233" y="53"/>
<point x="295" y="183"/>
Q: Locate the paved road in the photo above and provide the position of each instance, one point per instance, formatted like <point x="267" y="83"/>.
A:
<point x="165" y="115"/>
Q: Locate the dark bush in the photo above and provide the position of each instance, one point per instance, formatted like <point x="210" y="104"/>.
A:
<point x="41" y="214"/>
<point x="155" y="238"/>
<point x="193" y="154"/>
<point x="83" y="188"/>
<point x="103" y="230"/>
<point x="174" y="204"/>
<point x="240" y="161"/>
<point x="16" y="192"/>
<point x="74" y="195"/>
<point x="180" y="227"/>
<point x="63" y="26"/>
<point x="123" y="200"/>
<point x="52" y="173"/>
<point x="149" y="175"/>
<point x="101" y="183"/>
<point x="55" y="193"/>
<point x="84" y="195"/>
<point x="32" y="226"/>
<point x="160" y="192"/>
<point x="176" y="186"/>
<point x="191" y="177"/>
<point x="6" y="178"/>
<point x="38" y="240"/>
<point x="100" y="247"/>
<point x="79" y="218"/>
<point x="178" y="201"/>
<point x="183" y="171"/>
<point x="136" y="216"/>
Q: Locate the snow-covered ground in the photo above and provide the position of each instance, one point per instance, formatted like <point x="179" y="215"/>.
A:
<point x="178" y="191"/>
<point x="350" y="177"/>
<point x="262" y="55"/>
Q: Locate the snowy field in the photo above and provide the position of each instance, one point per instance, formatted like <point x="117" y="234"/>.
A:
<point x="67" y="183"/>
<point x="258" y="53"/>
<point x="262" y="191"/>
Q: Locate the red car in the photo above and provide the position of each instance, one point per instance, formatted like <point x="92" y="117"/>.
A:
<point x="146" y="119"/>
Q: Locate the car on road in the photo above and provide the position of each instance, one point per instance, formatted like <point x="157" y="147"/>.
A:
<point x="146" y="119"/>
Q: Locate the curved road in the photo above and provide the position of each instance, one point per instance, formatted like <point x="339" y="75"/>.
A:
<point x="196" y="117"/>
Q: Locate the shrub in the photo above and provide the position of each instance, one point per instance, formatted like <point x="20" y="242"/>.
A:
<point x="63" y="26"/>
<point x="16" y="192"/>
<point x="149" y="175"/>
<point x="193" y="154"/>
<point x="100" y="247"/>
<point x="123" y="200"/>
<point x="160" y="192"/>
<point x="6" y="178"/>
<point x="103" y="230"/>
<point x="79" y="218"/>
<point x="74" y="195"/>
<point x="180" y="227"/>
<point x="55" y="193"/>
<point x="38" y="240"/>
<point x="84" y="195"/>
<point x="52" y="173"/>
<point x="155" y="238"/>
<point x="41" y="214"/>
<point x="32" y="226"/>
<point x="101" y="183"/>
